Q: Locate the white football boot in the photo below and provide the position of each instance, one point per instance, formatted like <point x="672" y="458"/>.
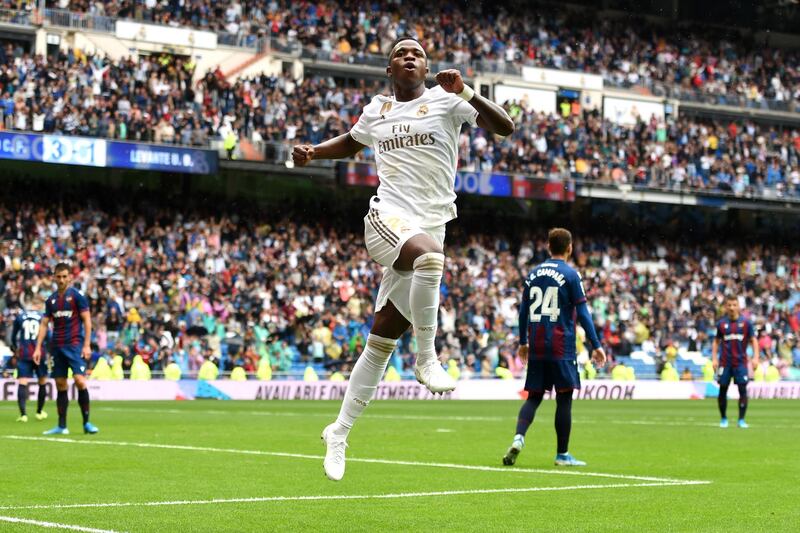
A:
<point x="434" y="377"/>
<point x="334" y="455"/>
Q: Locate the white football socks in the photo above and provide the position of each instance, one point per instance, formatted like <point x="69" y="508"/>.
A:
<point x="424" y="303"/>
<point x="364" y="379"/>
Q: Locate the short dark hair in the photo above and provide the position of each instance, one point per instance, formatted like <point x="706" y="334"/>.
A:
<point x="61" y="267"/>
<point x="558" y="240"/>
<point x="405" y="38"/>
<point x="732" y="296"/>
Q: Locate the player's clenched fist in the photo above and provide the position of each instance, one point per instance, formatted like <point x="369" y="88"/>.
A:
<point x="302" y="154"/>
<point x="450" y="80"/>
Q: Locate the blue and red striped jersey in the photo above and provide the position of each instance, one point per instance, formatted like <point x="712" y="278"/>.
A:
<point x="64" y="310"/>
<point x="24" y="334"/>
<point x="733" y="337"/>
<point x="551" y="294"/>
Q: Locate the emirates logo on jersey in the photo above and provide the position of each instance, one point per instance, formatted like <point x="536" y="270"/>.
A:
<point x="403" y="138"/>
<point x="422" y="111"/>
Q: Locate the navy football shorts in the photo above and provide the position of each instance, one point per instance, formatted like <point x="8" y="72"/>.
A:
<point x="67" y="357"/>
<point x="544" y="375"/>
<point x="29" y="369"/>
<point x="738" y="373"/>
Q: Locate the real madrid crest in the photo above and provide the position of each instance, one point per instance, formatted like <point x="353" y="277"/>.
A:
<point x="422" y="111"/>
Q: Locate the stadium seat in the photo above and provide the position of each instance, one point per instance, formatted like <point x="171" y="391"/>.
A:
<point x="117" y="372"/>
<point x="772" y="374"/>
<point x="101" y="370"/>
<point x="619" y="372"/>
<point x="139" y="369"/>
<point x="503" y="373"/>
<point x="669" y="373"/>
<point x="208" y="371"/>
<point x="708" y="371"/>
<point x="453" y="370"/>
<point x="238" y="374"/>
<point x="172" y="372"/>
<point x="590" y="370"/>
<point x="264" y="372"/>
<point x="310" y="374"/>
<point x="391" y="374"/>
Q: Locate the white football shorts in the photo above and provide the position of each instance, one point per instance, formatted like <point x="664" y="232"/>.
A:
<point x="385" y="234"/>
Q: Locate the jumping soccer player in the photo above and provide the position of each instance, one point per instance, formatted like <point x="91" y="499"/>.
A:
<point x="23" y="341"/>
<point x="414" y="134"/>
<point x="68" y="310"/>
<point x="734" y="333"/>
<point x="552" y="296"/>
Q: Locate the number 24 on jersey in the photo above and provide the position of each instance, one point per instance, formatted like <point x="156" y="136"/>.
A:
<point x="544" y="304"/>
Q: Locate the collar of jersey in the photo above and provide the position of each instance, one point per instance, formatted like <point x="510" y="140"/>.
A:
<point x="420" y="97"/>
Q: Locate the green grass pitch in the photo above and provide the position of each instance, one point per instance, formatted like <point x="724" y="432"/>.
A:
<point x="188" y="460"/>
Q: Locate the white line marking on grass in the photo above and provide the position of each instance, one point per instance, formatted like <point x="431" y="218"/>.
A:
<point x="665" y="422"/>
<point x="351" y="459"/>
<point x="299" y="414"/>
<point x="347" y="496"/>
<point x="677" y="424"/>
<point x="54" y="525"/>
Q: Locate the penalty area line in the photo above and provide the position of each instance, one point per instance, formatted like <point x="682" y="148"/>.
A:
<point x="326" y="497"/>
<point x="52" y="525"/>
<point x="451" y="466"/>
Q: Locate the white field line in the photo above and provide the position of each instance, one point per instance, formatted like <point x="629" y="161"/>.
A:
<point x="54" y="525"/>
<point x="452" y="466"/>
<point x="680" y="422"/>
<point x="646" y="422"/>
<point x="677" y="424"/>
<point x="300" y="414"/>
<point x="346" y="496"/>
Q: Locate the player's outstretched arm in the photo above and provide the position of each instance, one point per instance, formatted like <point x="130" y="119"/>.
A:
<point x="491" y="116"/>
<point x="337" y="148"/>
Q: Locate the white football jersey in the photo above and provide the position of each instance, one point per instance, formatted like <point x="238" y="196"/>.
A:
<point x="416" y="152"/>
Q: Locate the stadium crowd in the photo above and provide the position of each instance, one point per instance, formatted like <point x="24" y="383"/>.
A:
<point x="154" y="99"/>
<point x="626" y="51"/>
<point x="743" y="158"/>
<point x="239" y="289"/>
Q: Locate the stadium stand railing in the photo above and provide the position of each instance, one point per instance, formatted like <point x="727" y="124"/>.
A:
<point x="16" y="16"/>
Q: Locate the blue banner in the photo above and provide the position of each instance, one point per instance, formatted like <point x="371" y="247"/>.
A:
<point x="161" y="157"/>
<point x="102" y="153"/>
<point x="53" y="149"/>
<point x="483" y="183"/>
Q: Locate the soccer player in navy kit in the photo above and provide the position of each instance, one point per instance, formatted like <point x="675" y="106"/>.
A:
<point x="552" y="297"/>
<point x="23" y="341"/>
<point x="734" y="333"/>
<point x="68" y="310"/>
